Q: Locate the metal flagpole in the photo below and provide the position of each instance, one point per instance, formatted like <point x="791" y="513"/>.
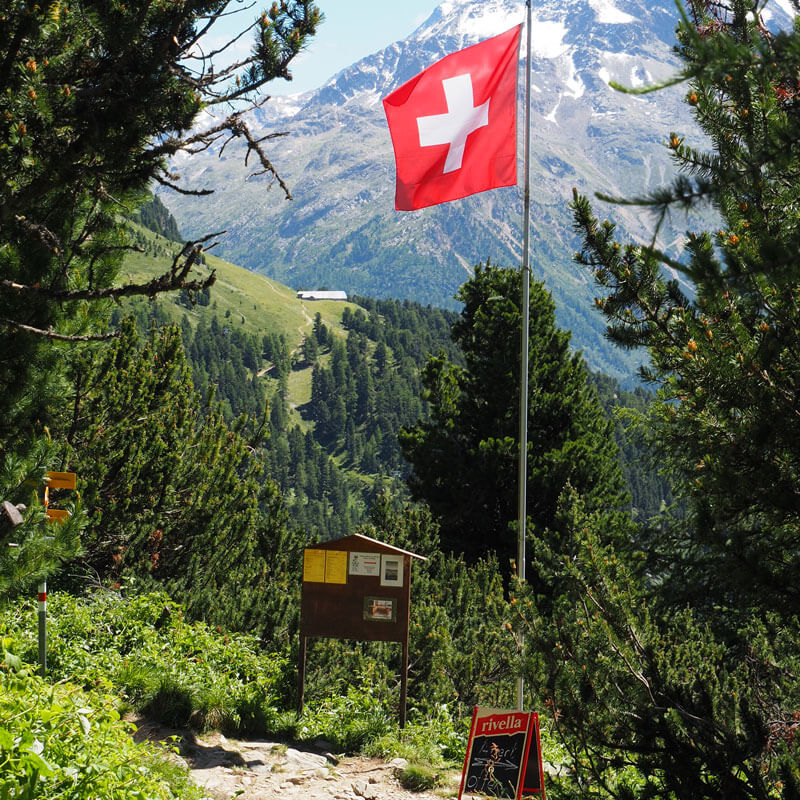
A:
<point x="523" y="388"/>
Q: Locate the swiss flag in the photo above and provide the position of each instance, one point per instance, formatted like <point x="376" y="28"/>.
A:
<point x="454" y="126"/>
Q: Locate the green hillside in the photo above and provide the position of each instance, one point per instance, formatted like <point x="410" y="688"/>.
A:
<point x="253" y="301"/>
<point x="338" y="380"/>
<point x="250" y="302"/>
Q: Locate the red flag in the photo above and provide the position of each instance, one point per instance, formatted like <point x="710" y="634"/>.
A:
<point x="454" y="126"/>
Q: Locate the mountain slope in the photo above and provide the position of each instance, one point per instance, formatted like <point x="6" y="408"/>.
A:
<point x="254" y="303"/>
<point x="341" y="230"/>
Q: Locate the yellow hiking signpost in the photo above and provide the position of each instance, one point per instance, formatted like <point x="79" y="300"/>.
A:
<point x="58" y="480"/>
<point x="61" y="480"/>
<point x="55" y="516"/>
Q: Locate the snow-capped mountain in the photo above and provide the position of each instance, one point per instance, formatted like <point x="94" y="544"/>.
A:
<point x="341" y="230"/>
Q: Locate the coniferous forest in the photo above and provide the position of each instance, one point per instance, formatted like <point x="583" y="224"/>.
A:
<point x="657" y="628"/>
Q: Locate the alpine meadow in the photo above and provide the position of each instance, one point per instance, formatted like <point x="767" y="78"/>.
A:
<point x="181" y="434"/>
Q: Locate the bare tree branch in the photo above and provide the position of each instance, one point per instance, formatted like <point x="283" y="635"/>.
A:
<point x="61" y="337"/>
<point x="45" y="235"/>
<point x="176" y="278"/>
<point x="164" y="283"/>
<point x="195" y="192"/>
<point x="207" y="27"/>
<point x="237" y="128"/>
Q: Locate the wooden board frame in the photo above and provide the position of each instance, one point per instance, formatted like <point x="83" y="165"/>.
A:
<point x="334" y="608"/>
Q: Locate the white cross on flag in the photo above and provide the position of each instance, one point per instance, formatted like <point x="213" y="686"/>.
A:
<point x="454" y="126"/>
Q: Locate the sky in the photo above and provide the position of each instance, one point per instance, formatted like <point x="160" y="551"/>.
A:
<point x="351" y="30"/>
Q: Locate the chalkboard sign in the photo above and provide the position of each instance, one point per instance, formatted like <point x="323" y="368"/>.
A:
<point x="503" y="757"/>
<point x="533" y="777"/>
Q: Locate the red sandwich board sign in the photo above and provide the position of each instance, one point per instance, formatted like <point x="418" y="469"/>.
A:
<point x="504" y="755"/>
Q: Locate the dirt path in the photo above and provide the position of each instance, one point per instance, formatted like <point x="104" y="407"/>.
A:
<point x="268" y="770"/>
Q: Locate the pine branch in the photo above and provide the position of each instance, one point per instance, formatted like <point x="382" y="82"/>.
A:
<point x="169" y="281"/>
<point x="679" y="78"/>
<point x="50" y="333"/>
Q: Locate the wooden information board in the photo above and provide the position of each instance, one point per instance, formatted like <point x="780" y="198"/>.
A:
<point x="356" y="588"/>
<point x="504" y="755"/>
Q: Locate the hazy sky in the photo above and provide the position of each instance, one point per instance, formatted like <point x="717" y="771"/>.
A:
<point x="352" y="29"/>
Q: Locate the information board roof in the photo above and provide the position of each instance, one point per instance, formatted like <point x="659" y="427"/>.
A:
<point x="358" y="541"/>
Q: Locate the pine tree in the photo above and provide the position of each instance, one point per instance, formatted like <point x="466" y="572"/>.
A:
<point x="464" y="459"/>
<point x="94" y="98"/>
<point x="650" y="701"/>
<point x="683" y="667"/>
<point x="724" y="359"/>
<point x="173" y="495"/>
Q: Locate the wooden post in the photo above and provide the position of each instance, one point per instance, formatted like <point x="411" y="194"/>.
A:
<point x="404" y="641"/>
<point x="404" y="684"/>
<point x="301" y="675"/>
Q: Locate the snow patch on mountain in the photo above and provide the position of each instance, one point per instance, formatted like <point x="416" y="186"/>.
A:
<point x="575" y="87"/>
<point x="471" y="22"/>
<point x="551" y="117"/>
<point x="486" y="22"/>
<point x="784" y="5"/>
<point x="623" y="69"/>
<point x="547" y="38"/>
<point x="609" y="14"/>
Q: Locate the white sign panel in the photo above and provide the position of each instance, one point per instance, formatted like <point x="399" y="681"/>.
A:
<point x="365" y="564"/>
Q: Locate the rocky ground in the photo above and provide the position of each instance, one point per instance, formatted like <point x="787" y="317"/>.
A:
<point x="265" y="770"/>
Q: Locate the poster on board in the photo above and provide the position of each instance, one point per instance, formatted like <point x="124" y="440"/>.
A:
<point x="313" y="565"/>
<point x="391" y="570"/>
<point x="324" y="566"/>
<point x="380" y="609"/>
<point x="365" y="564"/>
<point x="335" y="566"/>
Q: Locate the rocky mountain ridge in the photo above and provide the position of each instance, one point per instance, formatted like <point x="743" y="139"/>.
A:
<point x="341" y="230"/>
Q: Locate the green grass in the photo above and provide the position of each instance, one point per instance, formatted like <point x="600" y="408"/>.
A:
<point x="59" y="742"/>
<point x="156" y="661"/>
<point x="300" y="390"/>
<point x="417" y="778"/>
<point x="256" y="303"/>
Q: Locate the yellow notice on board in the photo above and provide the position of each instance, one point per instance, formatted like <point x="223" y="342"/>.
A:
<point x="336" y="566"/>
<point x="314" y="565"/>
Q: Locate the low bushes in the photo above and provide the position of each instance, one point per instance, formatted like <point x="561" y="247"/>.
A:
<point x="109" y="655"/>
<point x="155" y="660"/>
<point x="61" y="743"/>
